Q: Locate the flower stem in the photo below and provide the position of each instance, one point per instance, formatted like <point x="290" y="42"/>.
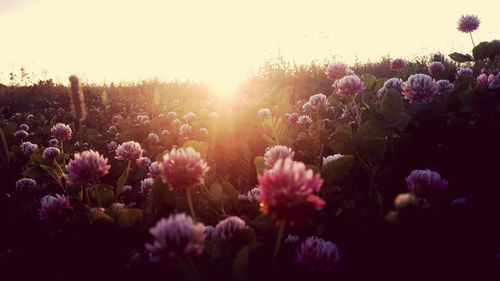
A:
<point x="82" y="192"/>
<point x="281" y="231"/>
<point x="472" y="39"/>
<point x="62" y="153"/>
<point x="122" y="180"/>
<point x="190" y="202"/>
<point x="127" y="171"/>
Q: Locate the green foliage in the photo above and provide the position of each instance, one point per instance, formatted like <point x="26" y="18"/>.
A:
<point x="341" y="140"/>
<point x="126" y="218"/>
<point x="484" y="50"/>
<point x="260" y="165"/>
<point x="337" y="171"/>
<point x="391" y="106"/>
<point x="460" y="58"/>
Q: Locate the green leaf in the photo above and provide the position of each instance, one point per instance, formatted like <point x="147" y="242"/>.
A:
<point x="53" y="173"/>
<point x="102" y="194"/>
<point x="230" y="190"/>
<point x="126" y="218"/>
<point x="316" y="128"/>
<point x="391" y="106"/>
<point x="403" y="122"/>
<point x="379" y="84"/>
<point x="260" y="165"/>
<point x="240" y="265"/>
<point x="33" y="172"/>
<point x="336" y="171"/>
<point x="375" y="149"/>
<point x="483" y="51"/>
<point x="371" y="140"/>
<point x="246" y="236"/>
<point x="215" y="192"/>
<point x="461" y="57"/>
<point x="100" y="217"/>
<point x="341" y="140"/>
<point x="162" y="194"/>
<point x="277" y="128"/>
<point x="370" y="81"/>
<point x="373" y="129"/>
<point x="307" y="145"/>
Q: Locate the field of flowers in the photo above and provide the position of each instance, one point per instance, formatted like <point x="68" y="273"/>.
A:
<point x="320" y="171"/>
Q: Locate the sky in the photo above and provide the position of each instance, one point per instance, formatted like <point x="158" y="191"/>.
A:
<point x="222" y="41"/>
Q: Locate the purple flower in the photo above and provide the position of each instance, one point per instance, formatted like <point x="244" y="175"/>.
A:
<point x="317" y="254"/>
<point x="226" y="228"/>
<point x="436" y="68"/>
<point x="190" y="117"/>
<point x="307" y="106"/>
<point x="489" y="80"/>
<point x="24" y="127"/>
<point x="111" y="146"/>
<point x="251" y="195"/>
<point x="287" y="191"/>
<point x="397" y="64"/>
<point x="264" y="113"/>
<point x="129" y="150"/>
<point x="53" y="142"/>
<point x="304" y="120"/>
<point x="350" y="85"/>
<point x="204" y="131"/>
<point x="419" y="87"/>
<point x="292" y="239"/>
<point x="21" y="134"/>
<point x="494" y="81"/>
<point x="463" y="71"/>
<point x="185" y="129"/>
<point x="28" y="147"/>
<point x="154" y="170"/>
<point x="153" y="138"/>
<point x="176" y="237"/>
<point x="391" y="84"/>
<point x="445" y="86"/>
<point x="210" y="232"/>
<point x="50" y="153"/>
<point x="52" y="207"/>
<point x="482" y="79"/>
<point x="318" y="101"/>
<point x="165" y="133"/>
<point x="116" y="119"/>
<point x="61" y="132"/>
<point x="142" y="119"/>
<point x="331" y="158"/>
<point x="147" y="186"/>
<point x="26" y="184"/>
<point x="276" y="152"/>
<point x="213" y="115"/>
<point x="468" y="23"/>
<point x="118" y="206"/>
<point x="171" y="116"/>
<point x="143" y="161"/>
<point x="425" y="183"/>
<point x="336" y="70"/>
<point x="126" y="189"/>
<point x="88" y="166"/>
<point x="183" y="168"/>
<point x="292" y="118"/>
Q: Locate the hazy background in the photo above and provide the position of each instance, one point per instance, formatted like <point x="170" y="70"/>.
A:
<point x="220" y="42"/>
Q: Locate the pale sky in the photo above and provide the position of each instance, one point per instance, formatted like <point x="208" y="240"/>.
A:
<point x="220" y="42"/>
